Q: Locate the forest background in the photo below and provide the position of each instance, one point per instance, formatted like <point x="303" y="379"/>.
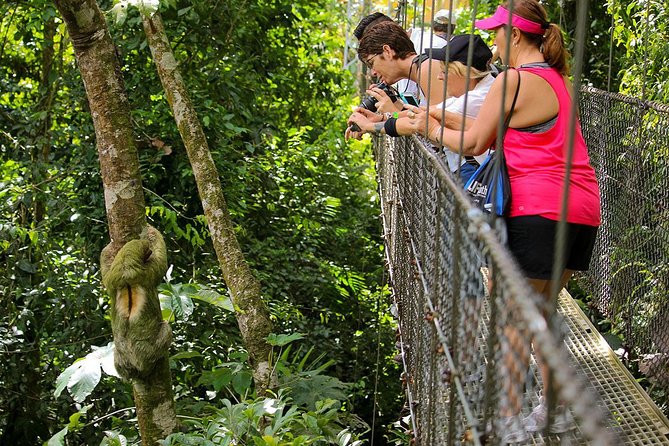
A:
<point x="270" y="90"/>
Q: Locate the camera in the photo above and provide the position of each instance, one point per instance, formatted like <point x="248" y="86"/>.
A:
<point x="369" y="102"/>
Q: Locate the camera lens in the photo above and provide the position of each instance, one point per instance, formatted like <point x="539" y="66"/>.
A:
<point x="369" y="103"/>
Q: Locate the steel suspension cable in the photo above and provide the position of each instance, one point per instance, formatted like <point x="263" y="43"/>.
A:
<point x="645" y="52"/>
<point x="559" y="258"/>
<point x="608" y="77"/>
<point x="445" y="84"/>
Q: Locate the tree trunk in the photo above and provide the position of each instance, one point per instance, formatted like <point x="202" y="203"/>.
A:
<point x="124" y="201"/>
<point x="252" y="314"/>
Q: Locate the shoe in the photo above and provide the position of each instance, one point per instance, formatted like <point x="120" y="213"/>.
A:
<point x="562" y="421"/>
<point x="512" y="430"/>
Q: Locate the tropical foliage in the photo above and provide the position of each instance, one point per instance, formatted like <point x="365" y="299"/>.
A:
<point x="267" y="80"/>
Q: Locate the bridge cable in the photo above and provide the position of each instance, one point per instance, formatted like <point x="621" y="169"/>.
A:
<point x="559" y="258"/>
<point x="378" y="358"/>
<point x="645" y="52"/>
<point x="611" y="30"/>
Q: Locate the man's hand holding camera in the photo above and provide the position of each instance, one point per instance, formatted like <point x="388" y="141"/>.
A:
<point x="410" y="120"/>
<point x="362" y="121"/>
<point x="385" y="103"/>
<point x="381" y="98"/>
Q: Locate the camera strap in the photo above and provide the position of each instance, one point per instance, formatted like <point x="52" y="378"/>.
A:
<point x="418" y="60"/>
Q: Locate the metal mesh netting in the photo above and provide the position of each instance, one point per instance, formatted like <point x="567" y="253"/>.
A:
<point x="628" y="141"/>
<point x="465" y="339"/>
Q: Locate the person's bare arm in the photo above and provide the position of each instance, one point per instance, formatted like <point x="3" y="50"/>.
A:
<point x="451" y="120"/>
<point x="482" y="131"/>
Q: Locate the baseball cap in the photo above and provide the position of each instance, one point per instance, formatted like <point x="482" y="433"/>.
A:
<point x="458" y="47"/>
<point x="444" y="17"/>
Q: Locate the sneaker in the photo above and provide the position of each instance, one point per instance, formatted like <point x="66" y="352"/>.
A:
<point x="512" y="430"/>
<point x="562" y="421"/>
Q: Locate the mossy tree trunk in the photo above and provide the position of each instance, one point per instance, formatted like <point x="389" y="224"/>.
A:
<point x="124" y="198"/>
<point x="252" y="314"/>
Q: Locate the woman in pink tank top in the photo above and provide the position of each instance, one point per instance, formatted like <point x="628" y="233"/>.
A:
<point x="535" y="147"/>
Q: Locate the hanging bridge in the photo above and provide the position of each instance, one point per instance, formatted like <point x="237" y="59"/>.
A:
<point x="466" y="314"/>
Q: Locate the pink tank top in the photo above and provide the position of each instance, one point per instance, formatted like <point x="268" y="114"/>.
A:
<point x="537" y="165"/>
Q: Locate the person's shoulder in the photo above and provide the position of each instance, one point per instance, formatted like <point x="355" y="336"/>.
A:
<point x="508" y="79"/>
<point x="510" y="73"/>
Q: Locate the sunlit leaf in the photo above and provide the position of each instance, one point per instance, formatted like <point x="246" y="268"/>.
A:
<point x="283" y="339"/>
<point x="84" y="374"/>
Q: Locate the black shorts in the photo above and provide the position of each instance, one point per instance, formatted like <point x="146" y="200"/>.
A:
<point x="532" y="242"/>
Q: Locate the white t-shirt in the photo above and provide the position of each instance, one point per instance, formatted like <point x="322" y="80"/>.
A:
<point x="421" y="42"/>
<point x="456" y="104"/>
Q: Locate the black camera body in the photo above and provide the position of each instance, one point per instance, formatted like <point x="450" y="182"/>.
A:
<point x="369" y="102"/>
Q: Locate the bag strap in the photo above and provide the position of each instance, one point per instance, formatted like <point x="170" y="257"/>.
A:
<point x="513" y="104"/>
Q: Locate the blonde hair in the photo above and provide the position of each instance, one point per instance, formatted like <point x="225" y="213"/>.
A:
<point x="460" y="69"/>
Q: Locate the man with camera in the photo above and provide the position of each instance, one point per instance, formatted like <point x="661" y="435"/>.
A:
<point x="421" y="41"/>
<point x="390" y="56"/>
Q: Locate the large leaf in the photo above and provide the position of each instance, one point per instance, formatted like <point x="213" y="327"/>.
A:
<point x="282" y="339"/>
<point x="58" y="439"/>
<point x="84" y="375"/>
<point x="214" y="298"/>
<point x="176" y="301"/>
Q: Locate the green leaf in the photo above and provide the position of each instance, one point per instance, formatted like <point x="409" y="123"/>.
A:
<point x="119" y="12"/>
<point x="217" y="378"/>
<point x="282" y="339"/>
<point x="615" y="342"/>
<point x="75" y="417"/>
<point x="58" y="439"/>
<point x="186" y="355"/>
<point x="113" y="438"/>
<point x="149" y="6"/>
<point x="241" y="381"/>
<point x="214" y="298"/>
<point x="84" y="379"/>
<point x="175" y="301"/>
<point x="183" y="11"/>
<point x="26" y="266"/>
<point x="64" y="378"/>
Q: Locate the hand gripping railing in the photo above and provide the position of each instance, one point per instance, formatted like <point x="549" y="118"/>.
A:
<point x="466" y="314"/>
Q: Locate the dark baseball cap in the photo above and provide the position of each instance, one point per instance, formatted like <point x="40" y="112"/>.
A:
<point x="458" y="47"/>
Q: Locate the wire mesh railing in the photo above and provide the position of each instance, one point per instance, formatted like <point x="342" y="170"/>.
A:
<point x="467" y="315"/>
<point x="628" y="141"/>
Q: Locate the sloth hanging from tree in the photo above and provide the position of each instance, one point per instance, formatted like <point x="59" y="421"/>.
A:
<point x="141" y="336"/>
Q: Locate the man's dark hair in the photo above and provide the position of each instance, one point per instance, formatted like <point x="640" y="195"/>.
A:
<point x="368" y="21"/>
<point x="385" y="33"/>
<point x="443" y="28"/>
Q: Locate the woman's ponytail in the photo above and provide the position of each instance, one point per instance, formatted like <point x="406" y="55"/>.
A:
<point x="551" y="42"/>
<point x="554" y="50"/>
